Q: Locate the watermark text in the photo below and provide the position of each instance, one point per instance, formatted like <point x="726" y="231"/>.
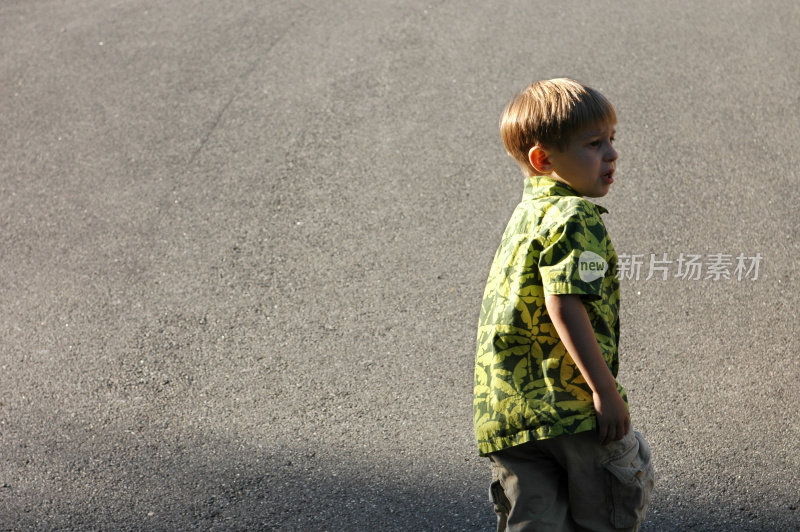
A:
<point x="688" y="267"/>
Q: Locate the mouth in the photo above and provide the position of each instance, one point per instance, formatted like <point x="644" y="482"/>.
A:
<point x="608" y="177"/>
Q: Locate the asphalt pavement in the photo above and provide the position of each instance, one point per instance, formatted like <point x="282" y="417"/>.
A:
<point x="243" y="246"/>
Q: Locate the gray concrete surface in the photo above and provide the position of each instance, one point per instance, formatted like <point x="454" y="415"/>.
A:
<point x="244" y="243"/>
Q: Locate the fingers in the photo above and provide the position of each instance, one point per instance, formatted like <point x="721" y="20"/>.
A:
<point x="608" y="432"/>
<point x="602" y="432"/>
<point x="618" y="431"/>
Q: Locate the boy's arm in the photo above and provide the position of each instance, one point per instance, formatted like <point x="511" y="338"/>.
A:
<point x="575" y="330"/>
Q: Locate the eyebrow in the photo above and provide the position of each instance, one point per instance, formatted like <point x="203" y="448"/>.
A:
<point x="596" y="133"/>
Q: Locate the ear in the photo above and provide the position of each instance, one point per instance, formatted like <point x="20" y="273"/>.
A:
<point x="540" y="160"/>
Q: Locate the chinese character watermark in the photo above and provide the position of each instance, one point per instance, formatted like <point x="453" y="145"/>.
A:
<point x="691" y="267"/>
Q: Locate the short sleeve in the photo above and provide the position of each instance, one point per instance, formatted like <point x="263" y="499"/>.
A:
<point x="575" y="257"/>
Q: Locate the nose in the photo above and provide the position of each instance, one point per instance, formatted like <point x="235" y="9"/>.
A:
<point x="611" y="153"/>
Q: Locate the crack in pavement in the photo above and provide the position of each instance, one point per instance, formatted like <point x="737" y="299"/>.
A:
<point x="238" y="90"/>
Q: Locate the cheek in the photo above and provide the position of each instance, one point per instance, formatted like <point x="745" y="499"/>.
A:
<point x="595" y="158"/>
<point x="588" y="159"/>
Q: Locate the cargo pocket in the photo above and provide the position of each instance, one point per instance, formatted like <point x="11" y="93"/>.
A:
<point x="502" y="507"/>
<point x="631" y="481"/>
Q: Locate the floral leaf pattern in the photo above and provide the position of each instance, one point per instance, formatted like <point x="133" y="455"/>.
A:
<point x="527" y="386"/>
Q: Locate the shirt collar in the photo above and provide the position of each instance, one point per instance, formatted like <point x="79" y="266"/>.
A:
<point x="540" y="186"/>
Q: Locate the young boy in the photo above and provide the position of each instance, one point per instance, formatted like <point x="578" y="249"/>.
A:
<point x="549" y="412"/>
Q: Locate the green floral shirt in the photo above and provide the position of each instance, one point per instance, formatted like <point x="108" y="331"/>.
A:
<point x="527" y="386"/>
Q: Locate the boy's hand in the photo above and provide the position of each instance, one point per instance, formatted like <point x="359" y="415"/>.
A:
<point x="613" y="420"/>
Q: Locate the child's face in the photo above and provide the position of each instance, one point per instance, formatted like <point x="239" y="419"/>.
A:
<point x="588" y="162"/>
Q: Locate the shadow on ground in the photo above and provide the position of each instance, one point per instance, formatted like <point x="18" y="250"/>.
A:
<point x="199" y="486"/>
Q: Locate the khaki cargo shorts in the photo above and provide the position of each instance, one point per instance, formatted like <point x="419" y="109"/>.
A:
<point x="572" y="483"/>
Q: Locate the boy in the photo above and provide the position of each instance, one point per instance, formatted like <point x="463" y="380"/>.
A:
<point x="549" y="413"/>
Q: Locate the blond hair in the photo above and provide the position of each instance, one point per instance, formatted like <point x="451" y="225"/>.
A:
<point x="549" y="113"/>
